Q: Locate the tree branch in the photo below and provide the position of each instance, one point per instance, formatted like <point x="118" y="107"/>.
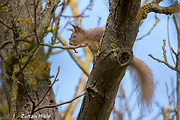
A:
<point x="62" y="47"/>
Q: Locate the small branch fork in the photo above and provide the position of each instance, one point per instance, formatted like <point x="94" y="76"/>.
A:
<point x="165" y="58"/>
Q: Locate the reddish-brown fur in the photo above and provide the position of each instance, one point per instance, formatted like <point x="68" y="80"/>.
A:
<point x="141" y="73"/>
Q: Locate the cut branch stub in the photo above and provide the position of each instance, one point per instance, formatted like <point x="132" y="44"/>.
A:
<point x="121" y="56"/>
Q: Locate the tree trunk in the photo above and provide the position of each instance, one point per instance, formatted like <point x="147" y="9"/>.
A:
<point x="113" y="57"/>
<point x="24" y="68"/>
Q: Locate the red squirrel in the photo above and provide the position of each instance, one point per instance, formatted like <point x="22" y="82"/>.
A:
<point x="140" y="72"/>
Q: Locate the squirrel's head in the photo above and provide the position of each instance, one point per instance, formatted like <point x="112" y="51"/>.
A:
<point x="77" y="36"/>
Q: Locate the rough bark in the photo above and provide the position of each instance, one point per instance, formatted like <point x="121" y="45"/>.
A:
<point x="24" y="67"/>
<point x="113" y="57"/>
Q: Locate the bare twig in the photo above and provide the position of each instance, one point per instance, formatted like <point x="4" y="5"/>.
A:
<point x="56" y="52"/>
<point x="168" y="112"/>
<point x="157" y="20"/>
<point x="177" y="57"/>
<point x="164" y="50"/>
<point x="74" y="16"/>
<point x="47" y="2"/>
<point x="62" y="47"/>
<point x="52" y="106"/>
<point x="89" y="6"/>
<point x="69" y="22"/>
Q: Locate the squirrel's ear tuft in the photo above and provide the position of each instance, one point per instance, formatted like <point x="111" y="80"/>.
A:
<point x="73" y="25"/>
<point x="71" y="30"/>
<point x="77" y="29"/>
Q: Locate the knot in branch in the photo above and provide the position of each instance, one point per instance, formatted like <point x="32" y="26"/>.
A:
<point x="123" y="57"/>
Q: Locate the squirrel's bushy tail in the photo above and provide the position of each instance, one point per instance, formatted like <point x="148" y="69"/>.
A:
<point x="143" y="79"/>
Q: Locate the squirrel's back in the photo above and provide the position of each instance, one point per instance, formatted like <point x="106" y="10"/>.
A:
<point x="93" y="37"/>
<point x="95" y="34"/>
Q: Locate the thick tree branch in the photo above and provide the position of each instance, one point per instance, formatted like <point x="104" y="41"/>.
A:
<point x="155" y="7"/>
<point x="163" y="10"/>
